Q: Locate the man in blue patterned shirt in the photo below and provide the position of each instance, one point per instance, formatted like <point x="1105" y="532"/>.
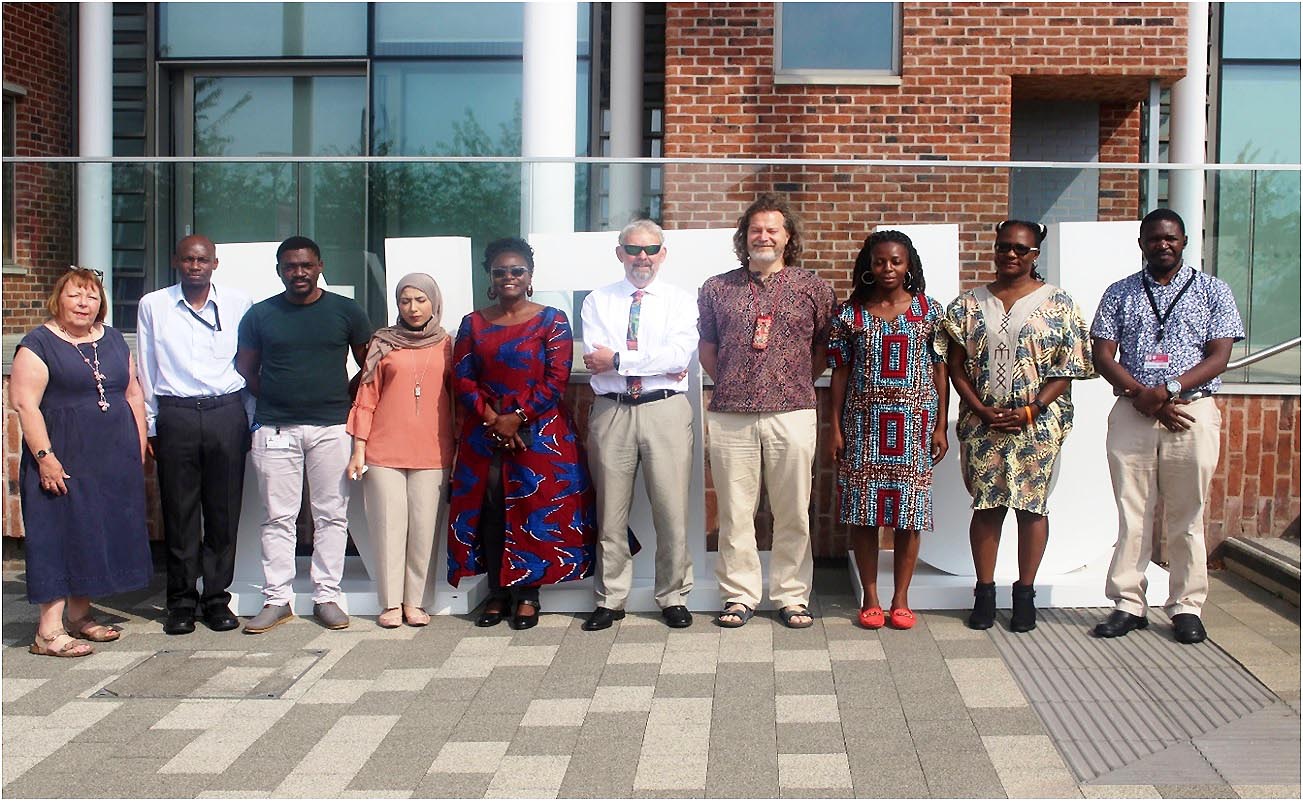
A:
<point x="1162" y="338"/>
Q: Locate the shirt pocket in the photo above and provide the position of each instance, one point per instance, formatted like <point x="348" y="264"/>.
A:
<point x="220" y="345"/>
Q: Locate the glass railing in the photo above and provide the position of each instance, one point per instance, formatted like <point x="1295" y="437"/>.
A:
<point x="376" y="216"/>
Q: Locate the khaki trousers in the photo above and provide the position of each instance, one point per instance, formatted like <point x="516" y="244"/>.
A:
<point x="406" y="510"/>
<point x="1147" y="461"/>
<point x="658" y="437"/>
<point x="321" y="454"/>
<point x="779" y="446"/>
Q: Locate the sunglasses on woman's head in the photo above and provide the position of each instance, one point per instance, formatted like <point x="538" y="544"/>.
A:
<point x="1016" y="247"/>
<point x="634" y="250"/>
<point x="515" y="272"/>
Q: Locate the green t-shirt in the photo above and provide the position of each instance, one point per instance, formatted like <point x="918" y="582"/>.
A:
<point x="305" y="352"/>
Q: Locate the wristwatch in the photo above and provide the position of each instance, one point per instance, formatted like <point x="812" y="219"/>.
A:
<point x="1173" y="388"/>
<point x="41" y="454"/>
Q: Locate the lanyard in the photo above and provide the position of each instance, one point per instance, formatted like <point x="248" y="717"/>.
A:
<point x="1153" y="304"/>
<point x="217" y="315"/>
<point x="756" y="284"/>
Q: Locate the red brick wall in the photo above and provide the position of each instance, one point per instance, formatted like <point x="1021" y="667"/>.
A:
<point x="1255" y="492"/>
<point x="961" y="65"/>
<point x="37" y="58"/>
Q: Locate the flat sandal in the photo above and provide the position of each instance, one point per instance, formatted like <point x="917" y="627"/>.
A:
<point x="42" y="646"/>
<point x="83" y="628"/>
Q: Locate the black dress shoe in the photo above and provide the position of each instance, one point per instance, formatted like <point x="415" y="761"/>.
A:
<point x="602" y="618"/>
<point x="180" y="621"/>
<point x="1188" y="628"/>
<point x="492" y="617"/>
<point x="219" y="618"/>
<point x="677" y="617"/>
<point x="1119" y="623"/>
<point x="521" y="622"/>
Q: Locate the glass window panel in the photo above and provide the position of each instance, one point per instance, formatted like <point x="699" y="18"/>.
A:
<point x="462" y="108"/>
<point x="225" y="30"/>
<point x="837" y="36"/>
<point x="1260" y="30"/>
<point x="1260" y="113"/>
<point x="449" y="29"/>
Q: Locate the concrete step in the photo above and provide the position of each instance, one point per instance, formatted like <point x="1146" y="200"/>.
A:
<point x="1270" y="562"/>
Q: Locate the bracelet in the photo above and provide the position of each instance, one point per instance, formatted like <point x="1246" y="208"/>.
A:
<point x="1040" y="407"/>
<point x="521" y="414"/>
<point x="1027" y="414"/>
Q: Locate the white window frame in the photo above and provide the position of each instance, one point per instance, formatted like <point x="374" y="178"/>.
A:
<point x="863" y="77"/>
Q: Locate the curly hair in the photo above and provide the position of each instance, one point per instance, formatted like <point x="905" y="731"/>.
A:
<point x="862" y="275"/>
<point x="508" y="244"/>
<point x="762" y="204"/>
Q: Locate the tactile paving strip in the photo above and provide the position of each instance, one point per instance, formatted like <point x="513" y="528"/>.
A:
<point x="1146" y="701"/>
<point x="212" y="675"/>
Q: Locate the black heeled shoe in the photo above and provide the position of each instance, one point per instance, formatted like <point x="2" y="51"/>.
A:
<point x="1024" y="608"/>
<point x="521" y="622"/>
<point x="983" y="616"/>
<point x="492" y="617"/>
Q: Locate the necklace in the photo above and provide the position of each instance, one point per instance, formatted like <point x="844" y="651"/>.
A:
<point x="94" y="366"/>
<point x="416" y="391"/>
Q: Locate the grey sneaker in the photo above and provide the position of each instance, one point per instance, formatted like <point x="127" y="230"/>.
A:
<point x="330" y="615"/>
<point x="269" y="618"/>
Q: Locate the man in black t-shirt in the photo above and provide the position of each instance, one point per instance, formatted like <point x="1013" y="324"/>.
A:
<point x="293" y="352"/>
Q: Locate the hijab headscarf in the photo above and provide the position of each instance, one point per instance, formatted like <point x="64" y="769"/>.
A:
<point x="400" y="336"/>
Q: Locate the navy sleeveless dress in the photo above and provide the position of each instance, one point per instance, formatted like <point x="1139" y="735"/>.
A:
<point x="92" y="541"/>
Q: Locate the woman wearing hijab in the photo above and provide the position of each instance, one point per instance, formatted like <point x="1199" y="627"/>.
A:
<point x="401" y="424"/>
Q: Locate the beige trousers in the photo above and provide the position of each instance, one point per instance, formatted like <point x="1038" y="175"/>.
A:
<point x="658" y="437"/>
<point x="282" y="457"/>
<point x="1147" y="461"/>
<point x="406" y="510"/>
<point x="778" y="447"/>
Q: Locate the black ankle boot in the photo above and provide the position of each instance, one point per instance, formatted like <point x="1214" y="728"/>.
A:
<point x="1024" y="608"/>
<point x="983" y="616"/>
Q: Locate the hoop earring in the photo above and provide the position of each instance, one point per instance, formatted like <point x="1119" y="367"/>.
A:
<point x="866" y="278"/>
<point x="529" y="291"/>
<point x="492" y="293"/>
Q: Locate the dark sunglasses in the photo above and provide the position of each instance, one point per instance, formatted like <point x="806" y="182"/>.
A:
<point x="1016" y="247"/>
<point x="516" y="272"/>
<point x="634" y="250"/>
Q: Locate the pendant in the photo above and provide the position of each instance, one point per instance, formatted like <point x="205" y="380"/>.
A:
<point x="417" y="392"/>
<point x="104" y="405"/>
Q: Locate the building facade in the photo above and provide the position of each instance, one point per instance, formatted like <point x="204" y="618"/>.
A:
<point x="929" y="84"/>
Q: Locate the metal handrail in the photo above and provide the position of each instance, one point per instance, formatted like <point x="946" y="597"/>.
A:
<point x="1254" y="358"/>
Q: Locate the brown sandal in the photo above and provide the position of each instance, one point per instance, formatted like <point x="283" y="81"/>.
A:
<point x="87" y="628"/>
<point x="44" y="646"/>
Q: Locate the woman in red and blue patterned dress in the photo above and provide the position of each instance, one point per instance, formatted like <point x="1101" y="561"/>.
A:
<point x="889" y="393"/>
<point x="523" y="508"/>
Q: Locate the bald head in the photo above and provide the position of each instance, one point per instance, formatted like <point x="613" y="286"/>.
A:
<point x="194" y="261"/>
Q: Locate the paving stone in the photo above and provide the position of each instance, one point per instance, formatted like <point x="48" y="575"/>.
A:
<point x="814" y="772"/>
<point x="541" y="776"/>
<point x="945" y="735"/>
<point x="486" y="728"/>
<point x="811" y="738"/>
<point x="1008" y="720"/>
<point x="469" y="757"/>
<point x="556" y="712"/>
<point x="630" y="675"/>
<point x="1118" y="791"/>
<point x="453" y="785"/>
<point x="807" y="709"/>
<point x="805" y="683"/>
<point x="1195" y="790"/>
<point x="1266" y="790"/>
<point x="985" y="683"/>
<point x="690" y="685"/>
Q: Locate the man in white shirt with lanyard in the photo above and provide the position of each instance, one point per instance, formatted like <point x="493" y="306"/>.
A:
<point x="639" y="337"/>
<point x="198" y="425"/>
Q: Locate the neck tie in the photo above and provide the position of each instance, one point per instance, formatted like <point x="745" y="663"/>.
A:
<point x="631" y="340"/>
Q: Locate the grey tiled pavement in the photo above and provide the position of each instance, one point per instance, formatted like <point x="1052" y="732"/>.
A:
<point x="452" y="711"/>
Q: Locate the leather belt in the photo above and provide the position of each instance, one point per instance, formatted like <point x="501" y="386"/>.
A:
<point x="201" y="403"/>
<point x="638" y="400"/>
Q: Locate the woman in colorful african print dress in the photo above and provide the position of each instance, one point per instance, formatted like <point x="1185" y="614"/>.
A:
<point x="886" y="349"/>
<point x="522" y="502"/>
<point x="1018" y="343"/>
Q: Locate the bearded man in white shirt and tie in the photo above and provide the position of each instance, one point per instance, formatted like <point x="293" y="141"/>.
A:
<point x="639" y="337"/>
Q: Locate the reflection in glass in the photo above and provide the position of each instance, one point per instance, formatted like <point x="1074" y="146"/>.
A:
<point x="837" y="36"/>
<point x="1260" y="30"/>
<point x="269" y="30"/>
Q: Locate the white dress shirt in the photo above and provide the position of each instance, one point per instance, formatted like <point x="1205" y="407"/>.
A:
<point x="182" y="357"/>
<point x="667" y="334"/>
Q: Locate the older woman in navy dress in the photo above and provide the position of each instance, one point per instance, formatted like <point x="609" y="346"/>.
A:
<point x="82" y="484"/>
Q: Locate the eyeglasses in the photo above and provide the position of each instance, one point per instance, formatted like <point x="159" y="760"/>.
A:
<point x="517" y="271"/>
<point x="1016" y="247"/>
<point x="634" y="250"/>
<point x="98" y="273"/>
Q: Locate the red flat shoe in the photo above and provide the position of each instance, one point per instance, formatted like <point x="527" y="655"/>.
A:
<point x="872" y="618"/>
<point x="902" y="619"/>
